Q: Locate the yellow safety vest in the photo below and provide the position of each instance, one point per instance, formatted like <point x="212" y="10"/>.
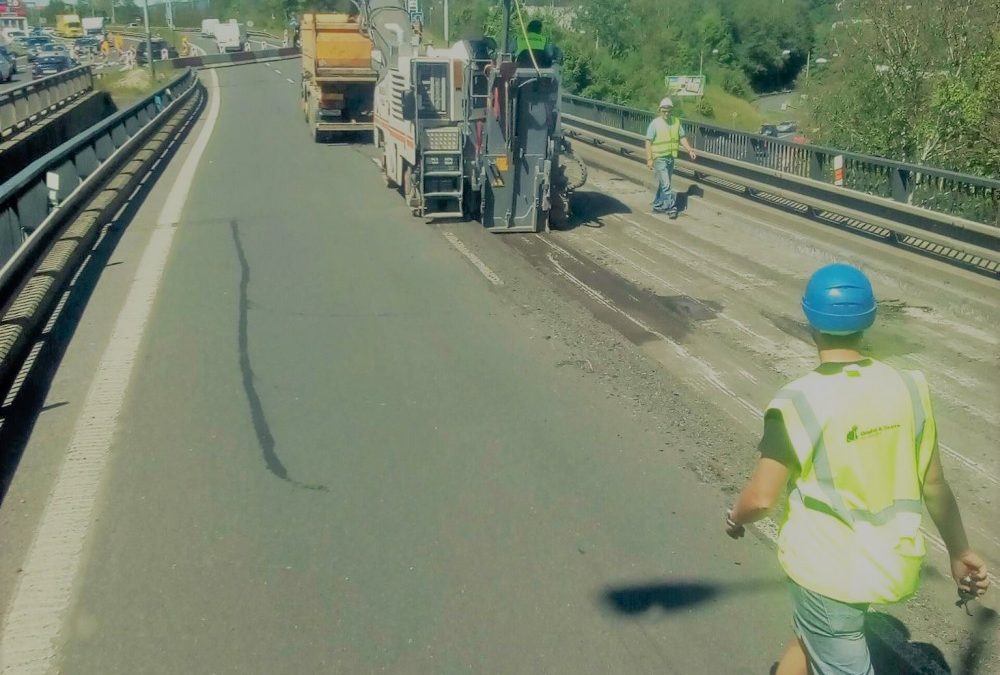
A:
<point x="667" y="141"/>
<point x="863" y="437"/>
<point x="536" y="42"/>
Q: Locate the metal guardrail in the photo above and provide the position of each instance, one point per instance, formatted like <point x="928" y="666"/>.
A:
<point x="946" y="192"/>
<point x="34" y="201"/>
<point x="22" y="105"/>
<point x="231" y="58"/>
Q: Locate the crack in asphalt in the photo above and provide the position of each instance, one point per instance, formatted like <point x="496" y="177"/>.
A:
<point x="260" y="425"/>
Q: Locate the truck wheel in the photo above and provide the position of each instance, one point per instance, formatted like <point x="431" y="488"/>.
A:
<point x="311" y="118"/>
<point x="410" y="191"/>
<point x="389" y="183"/>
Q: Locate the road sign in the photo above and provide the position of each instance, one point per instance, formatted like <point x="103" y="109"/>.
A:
<point x="685" y="85"/>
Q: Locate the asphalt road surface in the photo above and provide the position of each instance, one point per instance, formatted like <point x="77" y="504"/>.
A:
<point x="355" y="442"/>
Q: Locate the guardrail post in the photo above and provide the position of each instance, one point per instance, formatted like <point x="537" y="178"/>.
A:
<point x="815" y="166"/>
<point x="901" y="187"/>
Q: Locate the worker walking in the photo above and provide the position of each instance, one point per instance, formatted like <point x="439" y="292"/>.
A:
<point x="664" y="137"/>
<point x="858" y="442"/>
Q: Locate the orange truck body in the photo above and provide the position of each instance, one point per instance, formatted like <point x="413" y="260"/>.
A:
<point x="338" y="82"/>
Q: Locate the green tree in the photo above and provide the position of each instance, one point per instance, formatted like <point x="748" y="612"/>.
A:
<point x="917" y="84"/>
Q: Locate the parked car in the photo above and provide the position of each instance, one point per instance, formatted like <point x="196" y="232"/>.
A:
<point x="7" y="66"/>
<point x="786" y="127"/>
<point x="15" y="35"/>
<point x="768" y="130"/>
<point x="50" y="65"/>
<point x="158" y="45"/>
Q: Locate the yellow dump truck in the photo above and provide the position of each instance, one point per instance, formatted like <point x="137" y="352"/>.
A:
<point x="338" y="83"/>
<point x="69" y="26"/>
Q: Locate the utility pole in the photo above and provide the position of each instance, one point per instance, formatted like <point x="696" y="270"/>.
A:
<point x="447" y="41"/>
<point x="149" y="42"/>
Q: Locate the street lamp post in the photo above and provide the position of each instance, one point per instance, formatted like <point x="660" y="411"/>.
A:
<point x="149" y="42"/>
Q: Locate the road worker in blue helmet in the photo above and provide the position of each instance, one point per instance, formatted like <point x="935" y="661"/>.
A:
<point x="855" y="443"/>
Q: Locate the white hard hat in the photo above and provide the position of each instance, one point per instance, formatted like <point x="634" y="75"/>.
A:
<point x="666" y="103"/>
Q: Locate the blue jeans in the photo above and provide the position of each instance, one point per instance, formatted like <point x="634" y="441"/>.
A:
<point x="664" y="199"/>
<point x="833" y="633"/>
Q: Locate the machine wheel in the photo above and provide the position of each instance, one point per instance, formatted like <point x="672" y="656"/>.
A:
<point x="559" y="211"/>
<point x="410" y="191"/>
<point x="471" y="203"/>
<point x="389" y="183"/>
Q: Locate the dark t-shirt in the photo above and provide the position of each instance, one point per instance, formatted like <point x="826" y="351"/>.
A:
<point x="775" y="443"/>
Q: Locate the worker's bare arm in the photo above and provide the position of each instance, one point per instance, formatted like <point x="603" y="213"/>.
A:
<point x="944" y="511"/>
<point x="687" y="147"/>
<point x="649" y="153"/>
<point x="760" y="495"/>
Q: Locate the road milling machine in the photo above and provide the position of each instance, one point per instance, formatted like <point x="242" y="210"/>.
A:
<point x="470" y="130"/>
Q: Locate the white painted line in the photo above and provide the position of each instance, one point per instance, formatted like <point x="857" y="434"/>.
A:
<point x="277" y="71"/>
<point x="290" y="80"/>
<point x="177" y="197"/>
<point x="41" y="601"/>
<point x="474" y="259"/>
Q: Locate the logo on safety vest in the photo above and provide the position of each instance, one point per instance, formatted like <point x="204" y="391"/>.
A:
<point x="855" y="433"/>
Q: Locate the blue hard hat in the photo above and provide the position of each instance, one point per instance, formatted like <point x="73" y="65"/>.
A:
<point x="839" y="300"/>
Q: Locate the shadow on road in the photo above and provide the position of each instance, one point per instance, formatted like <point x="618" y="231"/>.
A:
<point x="888" y="638"/>
<point x="673" y="595"/>
<point x="589" y="207"/>
<point x="693" y="190"/>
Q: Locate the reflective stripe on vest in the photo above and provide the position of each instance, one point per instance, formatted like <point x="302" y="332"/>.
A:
<point x="864" y="438"/>
<point x="668" y="137"/>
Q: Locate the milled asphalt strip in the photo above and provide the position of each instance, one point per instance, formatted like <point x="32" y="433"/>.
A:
<point x="44" y="590"/>
<point x="887" y="633"/>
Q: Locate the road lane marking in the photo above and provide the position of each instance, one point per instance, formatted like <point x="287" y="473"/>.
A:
<point x="290" y="80"/>
<point x="474" y="259"/>
<point x="41" y="601"/>
<point x="277" y="71"/>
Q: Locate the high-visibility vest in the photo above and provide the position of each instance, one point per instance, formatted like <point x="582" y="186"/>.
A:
<point x="536" y="42"/>
<point x="863" y="436"/>
<point x="667" y="141"/>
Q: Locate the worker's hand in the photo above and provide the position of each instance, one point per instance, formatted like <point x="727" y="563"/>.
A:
<point x="732" y="529"/>
<point x="970" y="573"/>
<point x="649" y="164"/>
<point x="693" y="155"/>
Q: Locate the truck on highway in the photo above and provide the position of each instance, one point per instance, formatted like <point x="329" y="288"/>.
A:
<point x="208" y="27"/>
<point x="93" y="25"/>
<point x="69" y="26"/>
<point x="229" y="38"/>
<point x="338" y="82"/>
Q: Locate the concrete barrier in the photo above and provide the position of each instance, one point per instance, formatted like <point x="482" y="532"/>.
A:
<point x="20" y="106"/>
